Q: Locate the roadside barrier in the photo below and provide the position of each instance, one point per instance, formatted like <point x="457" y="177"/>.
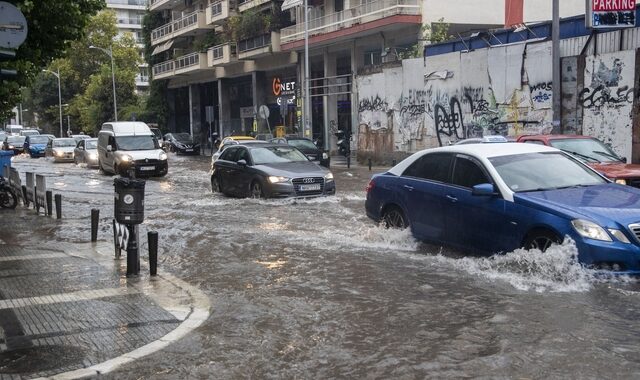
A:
<point x="34" y="191"/>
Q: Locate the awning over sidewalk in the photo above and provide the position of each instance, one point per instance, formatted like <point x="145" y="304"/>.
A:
<point x="164" y="47"/>
<point x="288" y="4"/>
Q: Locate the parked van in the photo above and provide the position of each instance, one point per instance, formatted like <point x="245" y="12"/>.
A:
<point x="130" y="144"/>
<point x="13" y="129"/>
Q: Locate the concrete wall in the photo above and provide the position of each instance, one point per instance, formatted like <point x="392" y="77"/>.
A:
<point x="504" y="90"/>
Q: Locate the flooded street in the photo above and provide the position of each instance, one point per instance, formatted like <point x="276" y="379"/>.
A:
<point x="314" y="289"/>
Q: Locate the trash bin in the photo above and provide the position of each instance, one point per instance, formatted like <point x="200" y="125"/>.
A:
<point x="5" y="159"/>
<point x="129" y="200"/>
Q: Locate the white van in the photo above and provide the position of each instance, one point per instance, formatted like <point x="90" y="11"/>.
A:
<point x="130" y="144"/>
<point x="13" y="129"/>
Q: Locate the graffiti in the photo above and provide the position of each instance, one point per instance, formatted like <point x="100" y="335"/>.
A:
<point x="608" y="77"/>
<point x="541" y="97"/>
<point x="372" y="104"/>
<point x="414" y="104"/>
<point x="449" y="124"/>
<point x="602" y="95"/>
<point x="548" y="86"/>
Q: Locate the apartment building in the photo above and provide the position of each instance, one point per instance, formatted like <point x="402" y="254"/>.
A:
<point x="129" y="14"/>
<point x="226" y="58"/>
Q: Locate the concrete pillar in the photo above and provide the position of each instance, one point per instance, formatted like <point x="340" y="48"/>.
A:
<point x="195" y="119"/>
<point x="330" y="101"/>
<point x="171" y="101"/>
<point x="356" y="61"/>
<point x="258" y="90"/>
<point x="224" y="108"/>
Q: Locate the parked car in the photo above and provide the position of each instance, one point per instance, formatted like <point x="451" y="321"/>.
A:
<point x="306" y="146"/>
<point x="14" y="143"/>
<point x="269" y="170"/>
<point x="491" y="198"/>
<point x="490" y="139"/>
<point x="230" y="140"/>
<point x="29" y="132"/>
<point x="181" y="143"/>
<point x="594" y="153"/>
<point x="61" y="149"/>
<point x="86" y="152"/>
<point x="35" y="145"/>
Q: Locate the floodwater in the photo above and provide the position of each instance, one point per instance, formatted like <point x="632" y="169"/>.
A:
<point x="314" y="289"/>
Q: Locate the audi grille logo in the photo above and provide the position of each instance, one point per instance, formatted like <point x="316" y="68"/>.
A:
<point x="146" y="160"/>
<point x="307" y="180"/>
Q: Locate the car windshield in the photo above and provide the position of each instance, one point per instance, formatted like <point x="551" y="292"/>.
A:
<point x="276" y="154"/>
<point x="183" y="137"/>
<point x="64" y="142"/>
<point x="16" y="139"/>
<point x="586" y="149"/>
<point x="91" y="144"/>
<point x="303" y="144"/>
<point x="543" y="171"/>
<point x="38" y="140"/>
<point x="136" y="143"/>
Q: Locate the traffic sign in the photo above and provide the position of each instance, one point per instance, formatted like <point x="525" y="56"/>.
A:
<point x="263" y="112"/>
<point x="13" y="26"/>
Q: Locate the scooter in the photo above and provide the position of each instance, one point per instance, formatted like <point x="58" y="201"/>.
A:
<point x="344" y="143"/>
<point x="8" y="198"/>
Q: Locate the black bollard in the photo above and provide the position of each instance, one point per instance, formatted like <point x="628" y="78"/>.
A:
<point x="95" y="217"/>
<point x="115" y="239"/>
<point x="25" y="201"/>
<point x="49" y="198"/>
<point x="152" y="239"/>
<point x="369" y="164"/>
<point x="58" y="201"/>
<point x="348" y="162"/>
<point x="393" y="163"/>
<point x="132" y="251"/>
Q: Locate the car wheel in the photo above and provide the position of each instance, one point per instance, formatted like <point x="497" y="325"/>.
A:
<point x="541" y="239"/>
<point x="75" y="160"/>
<point x="215" y="185"/>
<point x="393" y="217"/>
<point x="256" y="190"/>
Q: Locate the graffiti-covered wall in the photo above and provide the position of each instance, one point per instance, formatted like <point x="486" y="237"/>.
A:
<point x="607" y="99"/>
<point x="504" y="90"/>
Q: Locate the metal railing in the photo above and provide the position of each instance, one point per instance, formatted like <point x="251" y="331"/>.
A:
<point x="175" y="26"/>
<point x="372" y="11"/>
<point x="162" y="68"/>
<point x="218" y="51"/>
<point x="129" y="21"/>
<point x="130" y="2"/>
<point x="254" y="43"/>
<point x="187" y="60"/>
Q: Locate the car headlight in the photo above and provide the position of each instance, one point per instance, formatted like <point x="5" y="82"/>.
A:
<point x="126" y="158"/>
<point x="328" y="176"/>
<point x="10" y="146"/>
<point x="619" y="235"/>
<point x="276" y="179"/>
<point x="590" y="230"/>
<point x="621" y="181"/>
<point x="93" y="156"/>
<point x="163" y="156"/>
<point x="325" y="155"/>
<point x="58" y="153"/>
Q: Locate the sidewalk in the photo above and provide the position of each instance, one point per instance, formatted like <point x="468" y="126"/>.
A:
<point x="67" y="310"/>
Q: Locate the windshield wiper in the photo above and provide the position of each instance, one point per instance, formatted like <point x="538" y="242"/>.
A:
<point x="584" y="156"/>
<point x="609" y="155"/>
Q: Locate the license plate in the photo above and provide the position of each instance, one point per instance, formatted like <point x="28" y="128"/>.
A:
<point x="310" y="187"/>
<point x="147" y="168"/>
<point x="188" y="150"/>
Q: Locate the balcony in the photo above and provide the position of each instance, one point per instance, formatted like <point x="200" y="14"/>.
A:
<point x="185" y="64"/>
<point x="348" y="18"/>
<point x="219" y="11"/>
<point x="248" y="4"/>
<point x="127" y="4"/>
<point x="158" y="5"/>
<point x="191" y="24"/>
<point x="222" y="55"/>
<point x="129" y="23"/>
<point x="259" y="46"/>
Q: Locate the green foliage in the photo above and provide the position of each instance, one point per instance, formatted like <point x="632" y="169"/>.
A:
<point x="52" y="27"/>
<point x="208" y="40"/>
<point x="155" y="108"/>
<point x="437" y="31"/>
<point x="151" y="21"/>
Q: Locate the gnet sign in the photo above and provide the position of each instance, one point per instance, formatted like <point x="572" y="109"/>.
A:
<point x="613" y="5"/>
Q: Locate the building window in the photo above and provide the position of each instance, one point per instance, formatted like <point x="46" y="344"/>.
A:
<point x="372" y="58"/>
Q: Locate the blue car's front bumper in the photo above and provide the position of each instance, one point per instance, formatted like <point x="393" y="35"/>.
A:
<point x="36" y="151"/>
<point x="613" y="256"/>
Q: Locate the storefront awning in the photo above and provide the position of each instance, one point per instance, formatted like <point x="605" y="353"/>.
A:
<point x="164" y="47"/>
<point x="288" y="4"/>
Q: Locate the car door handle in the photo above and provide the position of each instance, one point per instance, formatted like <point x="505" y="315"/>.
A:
<point x="410" y="188"/>
<point x="452" y="198"/>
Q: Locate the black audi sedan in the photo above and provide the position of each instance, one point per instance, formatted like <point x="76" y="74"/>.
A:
<point x="307" y="147"/>
<point x="181" y="143"/>
<point x="270" y="171"/>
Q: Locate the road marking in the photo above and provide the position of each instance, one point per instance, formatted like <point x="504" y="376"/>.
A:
<point x="32" y="257"/>
<point x="82" y="295"/>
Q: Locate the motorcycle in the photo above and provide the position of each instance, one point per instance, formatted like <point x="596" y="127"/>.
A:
<point x="8" y="198"/>
<point x="344" y="143"/>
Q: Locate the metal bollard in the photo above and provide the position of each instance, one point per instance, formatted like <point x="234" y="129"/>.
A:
<point x="393" y="163"/>
<point x="369" y="164"/>
<point x="348" y="162"/>
<point x="25" y="201"/>
<point x="95" y="217"/>
<point x="58" y="200"/>
<point x="115" y="240"/>
<point x="132" y="251"/>
<point x="152" y="239"/>
<point x="49" y="197"/>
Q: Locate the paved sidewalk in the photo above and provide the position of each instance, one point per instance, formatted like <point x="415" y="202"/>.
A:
<point x="67" y="310"/>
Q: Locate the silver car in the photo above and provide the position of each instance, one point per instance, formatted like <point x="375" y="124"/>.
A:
<point x="86" y="152"/>
<point x="61" y="149"/>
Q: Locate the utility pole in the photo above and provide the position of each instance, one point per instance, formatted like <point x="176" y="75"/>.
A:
<point x="555" y="54"/>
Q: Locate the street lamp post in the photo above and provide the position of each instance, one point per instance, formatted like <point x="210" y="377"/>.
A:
<point x="57" y="74"/>
<point x="307" y="100"/>
<point x="113" y="76"/>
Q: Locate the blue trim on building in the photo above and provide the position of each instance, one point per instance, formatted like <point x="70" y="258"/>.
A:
<point x="570" y="27"/>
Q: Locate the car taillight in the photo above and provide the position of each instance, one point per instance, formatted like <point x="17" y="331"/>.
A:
<point x="370" y="186"/>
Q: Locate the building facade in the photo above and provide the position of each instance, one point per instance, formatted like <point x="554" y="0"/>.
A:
<point x="129" y="15"/>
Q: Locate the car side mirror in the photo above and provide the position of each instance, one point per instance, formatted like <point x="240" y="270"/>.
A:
<point x="623" y="159"/>
<point x="483" y="189"/>
<point x="242" y="162"/>
<point x="109" y="148"/>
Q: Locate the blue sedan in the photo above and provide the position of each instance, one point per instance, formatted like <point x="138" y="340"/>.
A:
<point x="35" y="145"/>
<point x="492" y="198"/>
